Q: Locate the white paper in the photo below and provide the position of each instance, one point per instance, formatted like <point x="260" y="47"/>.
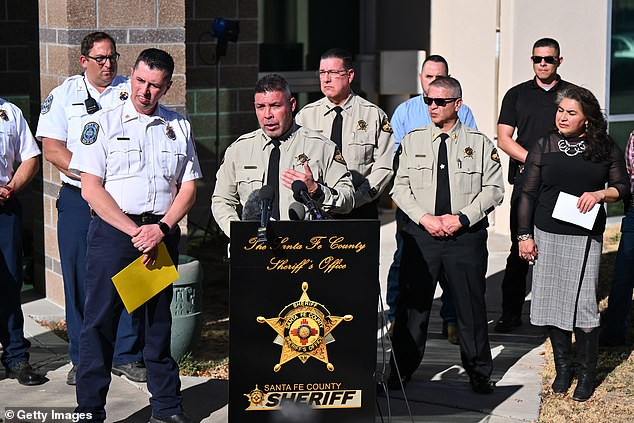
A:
<point x="566" y="210"/>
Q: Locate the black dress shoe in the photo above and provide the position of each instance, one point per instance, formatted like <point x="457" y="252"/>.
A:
<point x="394" y="383"/>
<point x="482" y="384"/>
<point x="176" y="418"/>
<point x="25" y="374"/>
<point x="134" y="371"/>
<point x="507" y="323"/>
<point x="71" y="377"/>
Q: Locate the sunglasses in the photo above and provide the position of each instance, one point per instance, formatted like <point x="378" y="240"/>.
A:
<point x="551" y="60"/>
<point x="440" y="102"/>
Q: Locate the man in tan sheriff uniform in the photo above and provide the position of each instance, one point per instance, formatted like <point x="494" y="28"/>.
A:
<point x="448" y="179"/>
<point x="360" y="129"/>
<point x="302" y="154"/>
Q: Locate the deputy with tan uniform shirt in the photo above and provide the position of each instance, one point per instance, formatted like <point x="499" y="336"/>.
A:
<point x="475" y="180"/>
<point x="449" y="178"/>
<point x="367" y="142"/>
<point x="304" y="155"/>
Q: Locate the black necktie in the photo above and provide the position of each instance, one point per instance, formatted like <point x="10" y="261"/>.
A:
<point x="443" y="193"/>
<point x="335" y="134"/>
<point x="273" y="177"/>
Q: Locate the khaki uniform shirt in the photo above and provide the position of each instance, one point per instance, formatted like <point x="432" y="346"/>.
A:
<point x="475" y="174"/>
<point x="367" y="142"/>
<point x="245" y="165"/>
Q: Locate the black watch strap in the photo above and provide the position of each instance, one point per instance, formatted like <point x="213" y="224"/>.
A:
<point x="164" y="227"/>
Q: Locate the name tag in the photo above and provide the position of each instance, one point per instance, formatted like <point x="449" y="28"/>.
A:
<point x="250" y="167"/>
<point x="123" y="139"/>
<point x="421" y="155"/>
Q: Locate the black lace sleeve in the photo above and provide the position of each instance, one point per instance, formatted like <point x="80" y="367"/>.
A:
<point x="530" y="188"/>
<point x="617" y="177"/>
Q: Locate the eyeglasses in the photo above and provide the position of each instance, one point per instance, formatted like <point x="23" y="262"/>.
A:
<point x="101" y="60"/>
<point x="440" y="102"/>
<point x="332" y="73"/>
<point x="551" y="60"/>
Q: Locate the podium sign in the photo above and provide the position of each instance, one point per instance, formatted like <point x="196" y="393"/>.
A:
<point x="303" y="313"/>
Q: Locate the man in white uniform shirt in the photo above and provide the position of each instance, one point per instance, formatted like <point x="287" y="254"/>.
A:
<point x="138" y="168"/>
<point x="16" y="146"/>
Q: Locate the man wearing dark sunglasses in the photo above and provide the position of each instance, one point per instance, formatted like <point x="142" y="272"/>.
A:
<point x="530" y="107"/>
<point x="449" y="179"/>
<point x="410" y="115"/>
<point x="66" y="113"/>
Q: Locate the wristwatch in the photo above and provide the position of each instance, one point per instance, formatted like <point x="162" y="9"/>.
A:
<point x="165" y="228"/>
<point x="464" y="220"/>
<point x="524" y="237"/>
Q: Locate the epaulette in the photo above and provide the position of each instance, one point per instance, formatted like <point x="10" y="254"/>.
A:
<point x="311" y="133"/>
<point x="247" y="136"/>
<point x="473" y="131"/>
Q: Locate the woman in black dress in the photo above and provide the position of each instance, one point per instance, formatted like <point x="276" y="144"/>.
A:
<point x="579" y="159"/>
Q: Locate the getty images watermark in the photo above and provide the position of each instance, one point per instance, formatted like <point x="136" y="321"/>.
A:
<point x="43" y="414"/>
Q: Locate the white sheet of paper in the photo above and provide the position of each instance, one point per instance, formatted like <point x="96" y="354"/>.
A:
<point x="566" y="210"/>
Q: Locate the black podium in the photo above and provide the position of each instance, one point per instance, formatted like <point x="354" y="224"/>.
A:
<point x="303" y="312"/>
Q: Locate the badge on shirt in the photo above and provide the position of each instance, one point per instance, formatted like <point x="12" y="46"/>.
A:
<point x="89" y="134"/>
<point x="123" y="95"/>
<point x="495" y="156"/>
<point x="3" y="115"/>
<point x="169" y="131"/>
<point x="385" y="125"/>
<point x="303" y="158"/>
<point x="339" y="157"/>
<point x="468" y="153"/>
<point x="46" y="106"/>
<point x="362" y="125"/>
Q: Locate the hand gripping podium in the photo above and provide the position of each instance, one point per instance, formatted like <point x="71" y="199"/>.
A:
<point x="303" y="321"/>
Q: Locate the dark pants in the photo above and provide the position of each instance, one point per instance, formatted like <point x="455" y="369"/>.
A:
<point x="620" y="300"/>
<point x="447" y="309"/>
<point x="73" y="218"/>
<point x="464" y="260"/>
<point x="109" y="251"/>
<point x="15" y="348"/>
<point x="514" y="282"/>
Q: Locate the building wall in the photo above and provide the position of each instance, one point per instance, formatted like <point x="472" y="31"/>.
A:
<point x="135" y="26"/>
<point x="469" y="42"/>
<point x="238" y="75"/>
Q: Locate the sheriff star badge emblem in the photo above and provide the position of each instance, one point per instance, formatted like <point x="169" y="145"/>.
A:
<point x="304" y="329"/>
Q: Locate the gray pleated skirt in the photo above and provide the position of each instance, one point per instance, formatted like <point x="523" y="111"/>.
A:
<point x="558" y="298"/>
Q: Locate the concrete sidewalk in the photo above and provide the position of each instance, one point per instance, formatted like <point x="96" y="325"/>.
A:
<point x="438" y="392"/>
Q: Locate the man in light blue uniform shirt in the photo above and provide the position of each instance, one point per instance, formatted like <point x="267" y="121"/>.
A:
<point x="410" y="115"/>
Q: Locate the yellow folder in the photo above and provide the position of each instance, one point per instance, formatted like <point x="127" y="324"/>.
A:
<point x="136" y="283"/>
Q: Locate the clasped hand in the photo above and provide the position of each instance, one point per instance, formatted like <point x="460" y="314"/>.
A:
<point x="441" y="226"/>
<point x="146" y="239"/>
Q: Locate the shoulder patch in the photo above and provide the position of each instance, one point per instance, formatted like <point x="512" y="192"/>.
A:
<point x="385" y="125"/>
<point x="3" y="115"/>
<point x="89" y="134"/>
<point x="339" y="157"/>
<point x="495" y="156"/>
<point x="46" y="105"/>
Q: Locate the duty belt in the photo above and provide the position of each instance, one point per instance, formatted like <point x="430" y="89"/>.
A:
<point x="146" y="218"/>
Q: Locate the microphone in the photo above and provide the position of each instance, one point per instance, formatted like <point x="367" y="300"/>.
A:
<point x="251" y="209"/>
<point x="296" y="211"/>
<point x="300" y="193"/>
<point x="267" y="195"/>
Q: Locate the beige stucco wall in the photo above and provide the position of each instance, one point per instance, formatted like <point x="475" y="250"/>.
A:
<point x="464" y="32"/>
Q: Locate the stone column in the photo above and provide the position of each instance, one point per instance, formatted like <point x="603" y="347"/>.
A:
<point x="135" y="26"/>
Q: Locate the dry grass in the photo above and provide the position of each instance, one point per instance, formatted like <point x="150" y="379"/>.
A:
<point x="613" y="400"/>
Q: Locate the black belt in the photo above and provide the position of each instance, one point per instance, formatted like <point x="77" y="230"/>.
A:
<point x="146" y="218"/>
<point x="71" y="187"/>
